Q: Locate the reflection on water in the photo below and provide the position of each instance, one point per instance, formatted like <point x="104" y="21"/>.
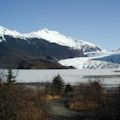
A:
<point x="70" y="76"/>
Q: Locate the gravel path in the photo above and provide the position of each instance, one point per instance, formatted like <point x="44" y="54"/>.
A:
<point x="59" y="111"/>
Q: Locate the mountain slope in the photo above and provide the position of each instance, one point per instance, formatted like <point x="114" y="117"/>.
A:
<point x="14" y="50"/>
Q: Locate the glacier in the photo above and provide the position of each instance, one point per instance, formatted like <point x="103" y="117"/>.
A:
<point x="109" y="60"/>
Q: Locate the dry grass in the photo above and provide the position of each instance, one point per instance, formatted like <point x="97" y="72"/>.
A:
<point x="50" y="97"/>
<point x="80" y="106"/>
<point x="20" y="103"/>
<point x="87" y="96"/>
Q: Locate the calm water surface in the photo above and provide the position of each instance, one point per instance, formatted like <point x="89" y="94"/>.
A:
<point x="73" y="76"/>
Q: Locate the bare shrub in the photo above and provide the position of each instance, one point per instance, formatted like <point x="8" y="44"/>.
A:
<point x="87" y="96"/>
<point x="20" y="103"/>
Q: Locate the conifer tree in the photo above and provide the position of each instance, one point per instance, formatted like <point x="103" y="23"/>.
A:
<point x="10" y="77"/>
<point x="57" y="85"/>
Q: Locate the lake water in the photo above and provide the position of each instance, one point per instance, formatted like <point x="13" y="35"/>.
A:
<point x="72" y="76"/>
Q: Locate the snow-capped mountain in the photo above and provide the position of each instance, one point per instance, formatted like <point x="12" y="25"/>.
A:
<point x="56" y="37"/>
<point x="52" y="37"/>
<point x="17" y="48"/>
<point x="108" y="60"/>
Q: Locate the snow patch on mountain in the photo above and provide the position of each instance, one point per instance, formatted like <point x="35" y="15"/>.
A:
<point x="4" y="31"/>
<point x="116" y="50"/>
<point x="95" y="54"/>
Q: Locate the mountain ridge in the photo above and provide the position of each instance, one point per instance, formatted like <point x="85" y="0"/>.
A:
<point x="50" y="36"/>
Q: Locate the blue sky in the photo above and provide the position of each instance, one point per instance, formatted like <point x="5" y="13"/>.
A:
<point x="96" y="21"/>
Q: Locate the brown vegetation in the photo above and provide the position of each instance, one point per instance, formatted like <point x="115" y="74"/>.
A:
<point x="93" y="98"/>
<point x="87" y="96"/>
<point x="20" y="103"/>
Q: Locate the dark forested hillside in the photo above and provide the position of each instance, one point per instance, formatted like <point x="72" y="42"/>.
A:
<point x="15" y="50"/>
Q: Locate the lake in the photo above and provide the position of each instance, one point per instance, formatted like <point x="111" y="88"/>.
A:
<point x="73" y="76"/>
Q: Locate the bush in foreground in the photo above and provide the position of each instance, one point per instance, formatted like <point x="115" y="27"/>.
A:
<point x="20" y="103"/>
